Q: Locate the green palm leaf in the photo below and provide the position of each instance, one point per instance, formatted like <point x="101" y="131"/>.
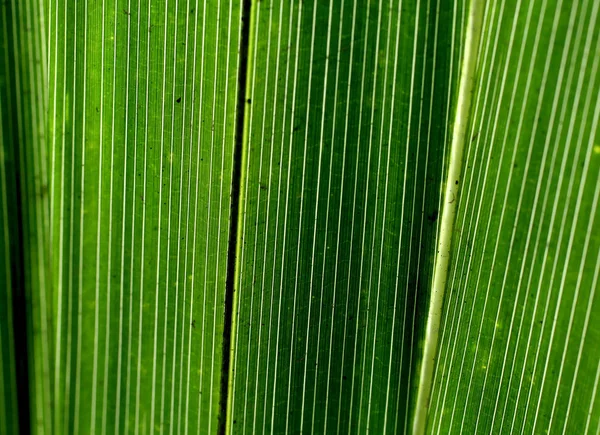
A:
<point x="345" y="157"/>
<point x="144" y="121"/>
<point x="320" y="217"/>
<point x="517" y="349"/>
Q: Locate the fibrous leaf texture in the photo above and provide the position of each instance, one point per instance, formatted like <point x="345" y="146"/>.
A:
<point x="336" y="216"/>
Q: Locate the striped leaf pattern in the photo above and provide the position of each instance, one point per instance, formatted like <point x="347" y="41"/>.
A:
<point x="520" y="337"/>
<point x="349" y="107"/>
<point x="25" y="293"/>
<point x="229" y="216"/>
<point x="142" y="120"/>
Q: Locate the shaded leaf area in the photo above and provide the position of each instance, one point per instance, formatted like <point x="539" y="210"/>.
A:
<point x="520" y="337"/>
<point x="25" y="294"/>
<point x="142" y="110"/>
<point x="348" y="109"/>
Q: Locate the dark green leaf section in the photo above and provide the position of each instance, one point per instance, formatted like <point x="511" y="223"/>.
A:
<point x="348" y="109"/>
<point x="520" y="337"/>
<point x="10" y="254"/>
<point x="142" y="118"/>
<point x="25" y="322"/>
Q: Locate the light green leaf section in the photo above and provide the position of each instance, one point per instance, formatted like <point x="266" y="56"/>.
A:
<point x="348" y="110"/>
<point x="520" y="336"/>
<point x="25" y="321"/>
<point x="142" y="120"/>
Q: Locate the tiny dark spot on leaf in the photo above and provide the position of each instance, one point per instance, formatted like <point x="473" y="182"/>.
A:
<point x="179" y="100"/>
<point x="43" y="190"/>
